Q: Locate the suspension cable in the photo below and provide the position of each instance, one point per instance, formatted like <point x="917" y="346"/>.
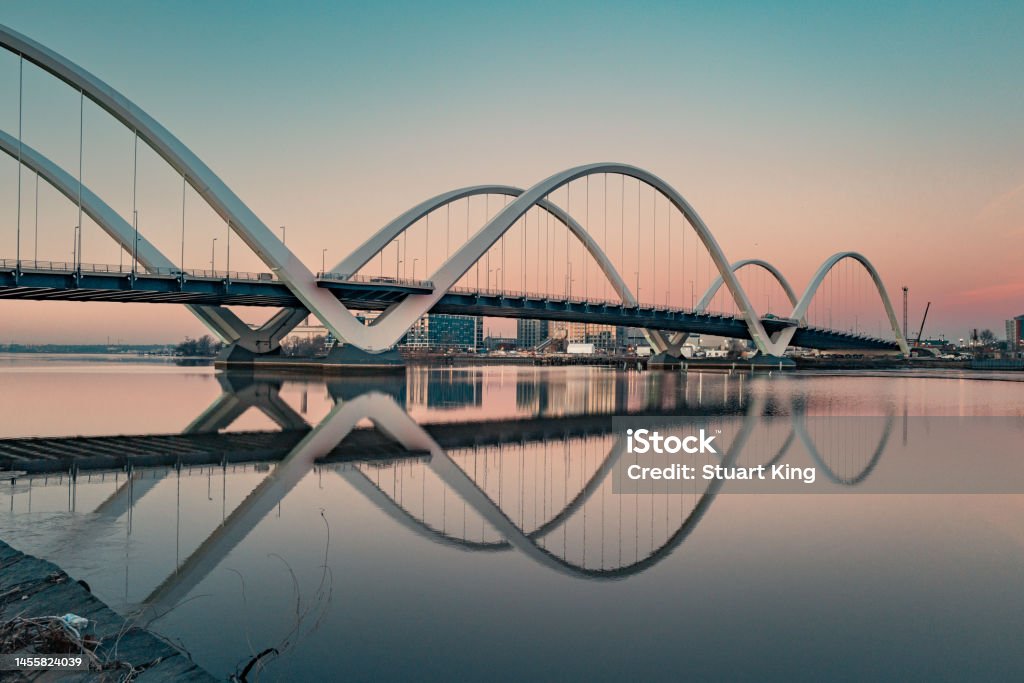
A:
<point x="586" y="261"/>
<point x="35" y="243"/>
<point x="21" y="70"/>
<point x="639" y="223"/>
<point x="184" y="185"/>
<point x="604" y="238"/>
<point x="135" y="208"/>
<point x="81" y="134"/>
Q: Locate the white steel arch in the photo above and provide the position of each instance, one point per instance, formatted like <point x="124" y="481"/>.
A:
<point x="383" y="237"/>
<point x="709" y="295"/>
<point x="373" y="246"/>
<point x="676" y="341"/>
<point x="227" y="326"/>
<point x="206" y="183"/>
<point x="389" y="327"/>
<point x="800" y="310"/>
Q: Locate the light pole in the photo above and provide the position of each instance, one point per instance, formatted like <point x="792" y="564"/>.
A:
<point x="135" y="246"/>
<point x="497" y="275"/>
<point x="323" y="261"/>
<point x="693" y="296"/>
<point x="213" y="255"/>
<point x="283" y="236"/>
<point x="414" y="267"/>
<point x="75" y="256"/>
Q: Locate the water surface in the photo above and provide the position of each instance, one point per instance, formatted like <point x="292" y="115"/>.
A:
<point x="354" y="544"/>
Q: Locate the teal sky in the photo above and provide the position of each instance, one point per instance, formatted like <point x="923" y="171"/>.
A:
<point x="796" y="130"/>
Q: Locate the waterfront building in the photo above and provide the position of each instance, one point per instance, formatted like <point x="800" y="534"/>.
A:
<point x="531" y="333"/>
<point x="442" y="332"/>
<point x="603" y="337"/>
<point x="1015" y="334"/>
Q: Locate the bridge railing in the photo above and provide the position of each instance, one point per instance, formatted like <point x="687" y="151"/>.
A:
<point x="586" y="301"/>
<point x="844" y="333"/>
<point x="376" y="280"/>
<point x="72" y="267"/>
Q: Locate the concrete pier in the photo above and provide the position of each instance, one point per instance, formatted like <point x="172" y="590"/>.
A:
<point x="340" y="360"/>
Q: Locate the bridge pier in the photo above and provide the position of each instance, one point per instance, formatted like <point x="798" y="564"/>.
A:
<point x="341" y="360"/>
<point x="665" y="360"/>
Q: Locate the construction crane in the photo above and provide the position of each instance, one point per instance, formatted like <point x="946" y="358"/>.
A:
<point x="921" y="330"/>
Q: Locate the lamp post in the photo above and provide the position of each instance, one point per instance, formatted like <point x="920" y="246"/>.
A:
<point x="323" y="262"/>
<point x="283" y="236"/>
<point x="135" y="245"/>
<point x="213" y="255"/>
<point x="693" y="296"/>
<point x="414" y="267"/>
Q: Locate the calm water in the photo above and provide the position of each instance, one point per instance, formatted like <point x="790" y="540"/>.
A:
<point x="460" y="522"/>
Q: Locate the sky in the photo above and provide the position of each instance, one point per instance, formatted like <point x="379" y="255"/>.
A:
<point x="796" y="130"/>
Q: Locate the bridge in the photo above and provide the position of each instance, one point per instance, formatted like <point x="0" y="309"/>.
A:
<point x="48" y="281"/>
<point x="575" y="270"/>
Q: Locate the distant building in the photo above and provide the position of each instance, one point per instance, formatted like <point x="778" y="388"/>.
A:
<point x="308" y="329"/>
<point x="442" y="332"/>
<point x="500" y="343"/>
<point x="632" y="336"/>
<point x="1015" y="334"/>
<point x="531" y="333"/>
<point x="601" y="336"/>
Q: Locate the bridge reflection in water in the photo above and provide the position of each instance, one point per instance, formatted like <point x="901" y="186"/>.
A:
<point x="537" y="483"/>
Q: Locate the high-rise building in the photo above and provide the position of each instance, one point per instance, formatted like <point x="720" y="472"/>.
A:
<point x="601" y="336"/>
<point x="1015" y="333"/>
<point x="531" y="333"/>
<point x="633" y="336"/>
<point x="442" y="332"/>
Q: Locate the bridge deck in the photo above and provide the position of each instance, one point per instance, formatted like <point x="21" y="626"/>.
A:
<point x="112" y="284"/>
